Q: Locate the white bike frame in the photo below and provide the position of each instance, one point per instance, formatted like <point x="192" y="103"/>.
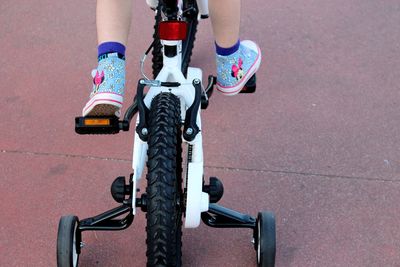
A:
<point x="202" y="5"/>
<point x="197" y="201"/>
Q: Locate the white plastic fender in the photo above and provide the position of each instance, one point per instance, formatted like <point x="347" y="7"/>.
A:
<point x="134" y="185"/>
<point x="139" y="157"/>
<point x="197" y="201"/>
<point x="138" y="163"/>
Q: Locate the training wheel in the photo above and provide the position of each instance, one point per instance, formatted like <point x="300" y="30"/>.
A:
<point x="68" y="242"/>
<point x="265" y="239"/>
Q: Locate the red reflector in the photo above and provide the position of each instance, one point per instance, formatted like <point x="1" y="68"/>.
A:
<point x="172" y="30"/>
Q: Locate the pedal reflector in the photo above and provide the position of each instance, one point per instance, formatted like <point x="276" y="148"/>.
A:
<point x="96" y="122"/>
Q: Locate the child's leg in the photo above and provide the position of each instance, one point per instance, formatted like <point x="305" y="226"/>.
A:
<point x="237" y="61"/>
<point x="225" y="18"/>
<point x="113" y="20"/>
<point x="113" y="24"/>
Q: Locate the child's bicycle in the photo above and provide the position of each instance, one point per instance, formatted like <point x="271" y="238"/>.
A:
<point x="168" y="116"/>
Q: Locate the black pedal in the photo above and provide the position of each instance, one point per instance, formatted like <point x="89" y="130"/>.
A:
<point x="215" y="189"/>
<point x="100" y="125"/>
<point x="119" y="189"/>
<point x="250" y="86"/>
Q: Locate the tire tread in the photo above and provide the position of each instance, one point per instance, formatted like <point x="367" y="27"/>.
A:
<point x="164" y="182"/>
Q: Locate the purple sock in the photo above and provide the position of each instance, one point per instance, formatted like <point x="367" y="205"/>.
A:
<point x="222" y="51"/>
<point x="111" y="47"/>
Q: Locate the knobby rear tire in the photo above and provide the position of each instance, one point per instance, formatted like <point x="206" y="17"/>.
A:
<point x="164" y="183"/>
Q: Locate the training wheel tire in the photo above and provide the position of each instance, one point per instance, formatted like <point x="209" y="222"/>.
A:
<point x="68" y="242"/>
<point x="265" y="239"/>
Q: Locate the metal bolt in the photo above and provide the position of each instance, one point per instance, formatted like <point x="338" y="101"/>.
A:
<point x="196" y="81"/>
<point x="82" y="244"/>
<point x="141" y="82"/>
<point x="144" y="131"/>
<point x="189" y="131"/>
<point x="253" y="241"/>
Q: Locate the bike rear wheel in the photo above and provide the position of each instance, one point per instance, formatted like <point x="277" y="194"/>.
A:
<point x="164" y="183"/>
<point x="187" y="45"/>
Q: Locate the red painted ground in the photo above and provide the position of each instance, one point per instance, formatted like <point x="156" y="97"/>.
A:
<point x="318" y="143"/>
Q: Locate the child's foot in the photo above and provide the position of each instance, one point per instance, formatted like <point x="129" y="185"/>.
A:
<point x="108" y="87"/>
<point x="234" y="70"/>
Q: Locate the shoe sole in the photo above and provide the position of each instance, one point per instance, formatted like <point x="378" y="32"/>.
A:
<point x="103" y="104"/>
